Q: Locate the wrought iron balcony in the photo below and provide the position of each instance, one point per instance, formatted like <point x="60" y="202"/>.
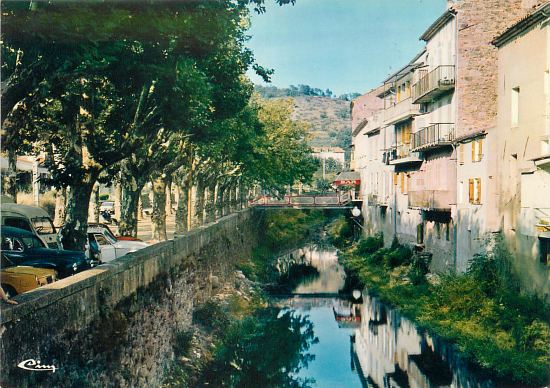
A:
<point x="403" y="110"/>
<point x="436" y="82"/>
<point x="434" y="136"/>
<point x="401" y="153"/>
<point x="431" y="200"/>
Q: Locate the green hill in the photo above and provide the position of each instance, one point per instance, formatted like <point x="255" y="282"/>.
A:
<point x="328" y="116"/>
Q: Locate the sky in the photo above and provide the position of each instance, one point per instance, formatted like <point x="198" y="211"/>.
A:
<point x="344" y="45"/>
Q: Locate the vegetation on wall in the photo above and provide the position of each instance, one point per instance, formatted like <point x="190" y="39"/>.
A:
<point x="482" y="311"/>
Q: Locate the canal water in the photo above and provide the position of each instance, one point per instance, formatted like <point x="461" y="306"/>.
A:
<point x="362" y="342"/>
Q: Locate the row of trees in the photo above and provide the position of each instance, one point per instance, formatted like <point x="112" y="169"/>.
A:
<point x="143" y="92"/>
<point x="300" y="90"/>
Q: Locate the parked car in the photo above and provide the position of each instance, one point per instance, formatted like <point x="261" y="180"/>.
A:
<point x="22" y="247"/>
<point x="33" y="219"/>
<point x="93" y="251"/>
<point x="16" y="279"/>
<point x="112" y="247"/>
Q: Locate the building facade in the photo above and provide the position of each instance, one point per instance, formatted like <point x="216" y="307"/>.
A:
<point x="523" y="145"/>
<point x="437" y="136"/>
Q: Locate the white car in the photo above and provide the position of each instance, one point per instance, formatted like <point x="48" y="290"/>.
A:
<point x="111" y="247"/>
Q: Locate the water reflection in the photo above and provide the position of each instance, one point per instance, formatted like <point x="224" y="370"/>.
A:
<point x="383" y="348"/>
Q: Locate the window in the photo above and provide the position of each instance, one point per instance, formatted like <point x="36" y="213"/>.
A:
<point x="101" y="240"/>
<point x="43" y="225"/>
<point x="18" y="222"/>
<point x="514" y="109"/>
<point x="477" y="150"/>
<point x="474" y="191"/>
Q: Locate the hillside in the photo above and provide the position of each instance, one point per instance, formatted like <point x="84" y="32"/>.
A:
<point x="329" y="119"/>
<point x="329" y="116"/>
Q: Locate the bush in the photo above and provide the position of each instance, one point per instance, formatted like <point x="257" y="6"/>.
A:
<point x="370" y="245"/>
<point x="212" y="317"/>
<point x="419" y="268"/>
<point x="399" y="256"/>
<point x="340" y="232"/>
<point x="182" y="343"/>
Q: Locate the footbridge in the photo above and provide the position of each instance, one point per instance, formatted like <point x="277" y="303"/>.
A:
<point x="306" y="201"/>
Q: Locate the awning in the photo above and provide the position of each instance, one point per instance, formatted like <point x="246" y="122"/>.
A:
<point x="348" y="178"/>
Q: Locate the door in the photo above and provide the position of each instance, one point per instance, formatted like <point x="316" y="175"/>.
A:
<point x="108" y="251"/>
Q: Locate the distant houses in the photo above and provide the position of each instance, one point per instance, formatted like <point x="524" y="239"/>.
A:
<point x="453" y="149"/>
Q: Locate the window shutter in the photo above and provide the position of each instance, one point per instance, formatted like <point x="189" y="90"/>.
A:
<point x="395" y="179"/>
<point x="479" y="150"/>
<point x="478" y="199"/>
<point x="471" y="190"/>
<point x="461" y="153"/>
<point x="473" y="144"/>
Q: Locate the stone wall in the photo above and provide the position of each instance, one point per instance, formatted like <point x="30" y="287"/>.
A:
<point x="115" y="325"/>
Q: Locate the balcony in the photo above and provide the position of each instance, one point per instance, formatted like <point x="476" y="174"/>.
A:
<point x="436" y="82"/>
<point x="401" y="111"/>
<point x="401" y="154"/>
<point x="434" y="136"/>
<point x="431" y="200"/>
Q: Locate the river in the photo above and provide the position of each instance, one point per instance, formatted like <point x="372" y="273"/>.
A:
<point x="364" y="343"/>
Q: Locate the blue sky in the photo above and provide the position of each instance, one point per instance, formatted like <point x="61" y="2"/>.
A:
<point x="344" y="45"/>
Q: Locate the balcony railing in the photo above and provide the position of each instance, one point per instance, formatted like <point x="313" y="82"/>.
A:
<point x="431" y="200"/>
<point x="400" y="111"/>
<point x="431" y="85"/>
<point x="436" y="135"/>
<point x="401" y="153"/>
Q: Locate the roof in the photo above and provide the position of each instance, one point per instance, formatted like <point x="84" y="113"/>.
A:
<point x="407" y="68"/>
<point x="28" y="211"/>
<point x="437" y="25"/>
<point x="348" y="176"/>
<point x="540" y="14"/>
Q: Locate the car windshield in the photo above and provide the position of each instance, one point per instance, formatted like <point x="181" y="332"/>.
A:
<point x="110" y="236"/>
<point x="43" y="225"/>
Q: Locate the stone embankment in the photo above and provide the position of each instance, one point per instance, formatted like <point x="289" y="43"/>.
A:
<point x="116" y="325"/>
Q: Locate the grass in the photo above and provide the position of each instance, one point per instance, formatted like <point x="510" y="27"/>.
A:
<point x="482" y="311"/>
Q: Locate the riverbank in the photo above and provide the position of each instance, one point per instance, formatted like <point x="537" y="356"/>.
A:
<point x="482" y="312"/>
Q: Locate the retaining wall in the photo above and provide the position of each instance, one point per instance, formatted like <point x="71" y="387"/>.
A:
<point x="115" y="325"/>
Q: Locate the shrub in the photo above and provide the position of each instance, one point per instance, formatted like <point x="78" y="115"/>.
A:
<point x="340" y="232"/>
<point x="370" y="245"/>
<point x="212" y="317"/>
<point x="398" y="256"/>
<point x="419" y="268"/>
<point x="182" y="343"/>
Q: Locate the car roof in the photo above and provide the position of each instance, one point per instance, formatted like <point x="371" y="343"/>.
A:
<point x="15" y="231"/>
<point x="28" y="211"/>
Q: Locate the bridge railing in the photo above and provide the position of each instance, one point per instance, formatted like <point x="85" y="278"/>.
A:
<point x="321" y="200"/>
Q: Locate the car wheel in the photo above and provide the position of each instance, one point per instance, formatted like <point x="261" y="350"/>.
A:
<point x="9" y="290"/>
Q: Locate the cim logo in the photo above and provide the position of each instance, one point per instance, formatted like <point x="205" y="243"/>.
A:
<point x="35" y="366"/>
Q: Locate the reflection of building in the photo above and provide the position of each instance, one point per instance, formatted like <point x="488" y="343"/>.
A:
<point x="388" y="351"/>
<point x="346" y="313"/>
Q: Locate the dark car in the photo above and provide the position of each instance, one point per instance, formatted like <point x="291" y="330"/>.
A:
<point x="24" y="248"/>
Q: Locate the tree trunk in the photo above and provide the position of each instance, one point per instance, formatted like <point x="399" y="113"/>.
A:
<point x="158" y="216"/>
<point x="181" y="211"/>
<point x="74" y="234"/>
<point x="10" y="182"/>
<point x="93" y="209"/>
<point x="232" y="198"/>
<point x="60" y="204"/>
<point x="170" y="199"/>
<point x="211" y="203"/>
<point x="128" y="222"/>
<point x="219" y="201"/>
<point x="199" y="204"/>
<point x="117" y="200"/>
